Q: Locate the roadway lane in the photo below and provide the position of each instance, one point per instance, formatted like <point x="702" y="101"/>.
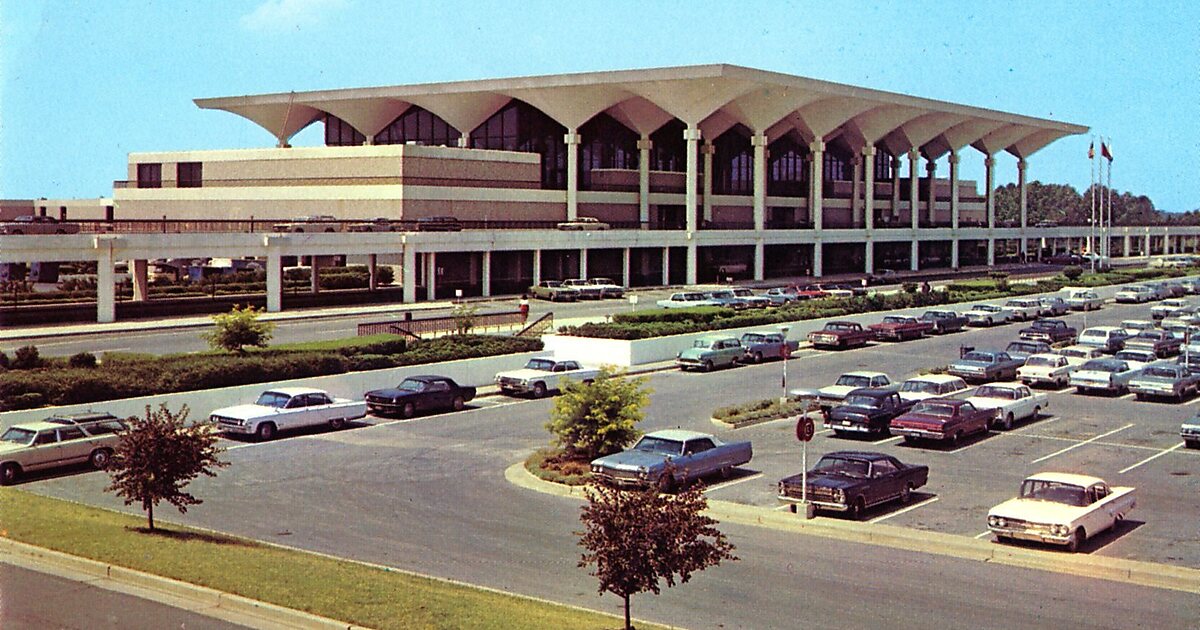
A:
<point x="429" y="495"/>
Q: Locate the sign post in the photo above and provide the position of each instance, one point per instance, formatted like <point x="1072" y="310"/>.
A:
<point x="784" y="353"/>
<point x="805" y="429"/>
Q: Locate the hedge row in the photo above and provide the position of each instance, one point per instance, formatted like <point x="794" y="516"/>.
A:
<point x="760" y="411"/>
<point x="128" y="376"/>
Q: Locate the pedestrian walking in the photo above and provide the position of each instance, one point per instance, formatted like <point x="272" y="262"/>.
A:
<point x="523" y="306"/>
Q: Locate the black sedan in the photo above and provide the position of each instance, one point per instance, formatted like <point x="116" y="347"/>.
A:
<point x="418" y="394"/>
<point x="852" y="481"/>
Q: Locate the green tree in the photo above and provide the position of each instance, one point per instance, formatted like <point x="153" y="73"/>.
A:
<point x="156" y="458"/>
<point x="238" y="328"/>
<point x="464" y="317"/>
<point x="594" y="419"/>
<point x="637" y="539"/>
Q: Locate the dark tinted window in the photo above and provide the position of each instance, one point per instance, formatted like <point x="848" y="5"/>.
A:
<point x="189" y="174"/>
<point x="149" y="175"/>
<point x="420" y="126"/>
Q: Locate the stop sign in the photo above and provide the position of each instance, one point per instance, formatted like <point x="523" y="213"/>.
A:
<point x="805" y="428"/>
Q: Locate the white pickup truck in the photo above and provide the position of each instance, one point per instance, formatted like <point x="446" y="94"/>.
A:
<point x="287" y="408"/>
<point x="543" y="374"/>
<point x="1061" y="508"/>
<point x="1011" y="402"/>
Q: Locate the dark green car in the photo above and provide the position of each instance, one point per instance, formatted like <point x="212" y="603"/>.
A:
<point x="708" y="353"/>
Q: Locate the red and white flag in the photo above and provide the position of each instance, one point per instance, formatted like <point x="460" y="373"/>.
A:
<point x="1104" y="151"/>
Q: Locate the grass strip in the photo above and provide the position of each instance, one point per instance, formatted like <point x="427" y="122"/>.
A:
<point x="341" y="590"/>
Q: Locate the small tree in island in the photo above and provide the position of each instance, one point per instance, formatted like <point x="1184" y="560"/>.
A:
<point x="239" y="328"/>
<point x="639" y="538"/>
<point x="158" y="455"/>
<point x="590" y="420"/>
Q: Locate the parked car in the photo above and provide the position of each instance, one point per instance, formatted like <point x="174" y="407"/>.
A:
<point x="1024" y="308"/>
<point x="944" y="321"/>
<point x="1135" y="326"/>
<point x="709" y="353"/>
<point x="1054" y="305"/>
<point x="750" y="298"/>
<point x="1170" y="288"/>
<point x="1135" y="294"/>
<point x="1046" y="369"/>
<point x="942" y="419"/>
<point x="669" y="459"/>
<point x="37" y="224"/>
<point x="58" y="441"/>
<point x="379" y="224"/>
<point x="439" y="224"/>
<point x="554" y="290"/>
<point x="988" y="315"/>
<point x="1051" y="331"/>
<point x="853" y="481"/>
<point x="727" y="299"/>
<point x="1142" y="356"/>
<point x="867" y="411"/>
<point x="1022" y="349"/>
<point x="985" y="365"/>
<point x="766" y="344"/>
<point x="1191" y="285"/>
<point x="1189" y="431"/>
<point x="426" y="392"/>
<point x="1011" y="402"/>
<point x="900" y="328"/>
<point x="542" y="375"/>
<point x="831" y="395"/>
<point x="608" y="288"/>
<point x="285" y="409"/>
<point x="834" y="290"/>
<point x="1107" y="338"/>
<point x="1084" y="300"/>
<point x="1161" y="342"/>
<point x="686" y="299"/>
<point x="1062" y="509"/>
<point x="840" y="334"/>
<point x="312" y="223"/>
<point x="811" y="292"/>
<point x="585" y="289"/>
<point x="1165" y="380"/>
<point x="1104" y="375"/>
<point x="1077" y="355"/>
<point x="584" y="223"/>
<point x="1160" y="310"/>
<point x="780" y="296"/>
<point x="928" y="386"/>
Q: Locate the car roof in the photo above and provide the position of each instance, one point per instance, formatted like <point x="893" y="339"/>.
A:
<point x="716" y="338"/>
<point x="1006" y="384"/>
<point x="427" y="377"/>
<point x="82" y="416"/>
<point x="862" y="373"/>
<point x="1071" y="478"/>
<point x="935" y="378"/>
<point x="1047" y="355"/>
<point x="679" y="435"/>
<point x="1103" y="328"/>
<point x="871" y="392"/>
<point x="842" y="321"/>
<point x="40" y="425"/>
<point x="867" y="455"/>
<point x="295" y="391"/>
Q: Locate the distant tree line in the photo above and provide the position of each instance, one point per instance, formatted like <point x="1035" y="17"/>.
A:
<point x="1063" y="204"/>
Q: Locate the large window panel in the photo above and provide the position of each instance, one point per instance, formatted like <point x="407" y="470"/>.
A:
<point x="421" y="126"/>
<point x="522" y="127"/>
<point x="605" y="144"/>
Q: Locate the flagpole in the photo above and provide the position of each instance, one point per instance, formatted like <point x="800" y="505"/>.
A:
<point x="1110" y="161"/>
<point x="1092" y="199"/>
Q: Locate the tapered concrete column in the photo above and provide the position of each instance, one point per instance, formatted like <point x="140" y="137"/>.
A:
<point x="895" y="212"/>
<point x="856" y="163"/>
<point x="914" y="210"/>
<point x="274" y="277"/>
<point x="1023" y="192"/>
<point x="868" y="159"/>
<point x="1167" y="249"/>
<point x="666" y="266"/>
<point x="625" y="268"/>
<point x="314" y="275"/>
<point x="691" y="136"/>
<point x="106" y="308"/>
<point x="572" y="141"/>
<point x="1126" y="243"/>
<point x="644" y="145"/>
<point x="816" y="186"/>
<point x="485" y="274"/>
<point x="869" y="256"/>
<point x="537" y="266"/>
<point x="818" y="260"/>
<point x="989" y="194"/>
<point x="931" y="194"/>
<point x="409" y="274"/>
<point x="464" y="141"/>
<point x="708" y="151"/>
<point x="954" y="253"/>
<point x="991" y="256"/>
<point x="692" y="263"/>
<point x="914" y="256"/>
<point x="1146" y="250"/>
<point x="583" y="264"/>
<point x="954" y="210"/>
<point x="759" y="141"/>
<point x="372" y="272"/>
<point x="430" y="276"/>
<point x="759" y="261"/>
<point x="141" y="280"/>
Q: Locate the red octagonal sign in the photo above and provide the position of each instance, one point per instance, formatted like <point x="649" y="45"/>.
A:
<point x="805" y="429"/>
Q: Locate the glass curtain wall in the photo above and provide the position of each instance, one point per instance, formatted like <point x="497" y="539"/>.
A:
<point x="519" y="126"/>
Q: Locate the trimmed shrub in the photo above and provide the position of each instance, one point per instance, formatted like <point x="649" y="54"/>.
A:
<point x="909" y="287"/>
<point x="26" y="358"/>
<point x="1072" y="272"/>
<point x="82" y="360"/>
<point x="23" y="401"/>
<point x="3" y="360"/>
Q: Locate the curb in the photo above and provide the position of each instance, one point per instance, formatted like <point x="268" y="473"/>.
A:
<point x="1154" y="575"/>
<point x="203" y="596"/>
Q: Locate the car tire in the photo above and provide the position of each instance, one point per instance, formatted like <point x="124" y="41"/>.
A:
<point x="1037" y="413"/>
<point x="708" y="366"/>
<point x="908" y="439"/>
<point x="990" y="323"/>
<point x="666" y="483"/>
<point x="1077" y="539"/>
<point x="758" y="358"/>
<point x="858" y="509"/>
<point x="408" y="410"/>
<point x="265" y="432"/>
<point x="458" y="403"/>
<point x="957" y="437"/>
<point x="99" y="458"/>
<point x="726" y="472"/>
<point x="1008" y="421"/>
<point x="906" y="493"/>
<point x="337" y="424"/>
<point x="539" y="390"/>
<point x="9" y="473"/>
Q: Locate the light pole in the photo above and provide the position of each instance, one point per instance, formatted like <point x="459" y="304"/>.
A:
<point x="785" y="353"/>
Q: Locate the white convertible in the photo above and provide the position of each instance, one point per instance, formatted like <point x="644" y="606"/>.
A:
<point x="1061" y="508"/>
<point x="1011" y="402"/>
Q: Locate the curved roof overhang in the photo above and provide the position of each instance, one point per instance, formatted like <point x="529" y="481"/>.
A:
<point x="712" y="98"/>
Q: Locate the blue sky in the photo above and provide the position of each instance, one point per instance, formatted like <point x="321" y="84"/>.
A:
<point x="82" y="84"/>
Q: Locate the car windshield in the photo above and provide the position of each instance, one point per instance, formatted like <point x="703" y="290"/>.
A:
<point x="1054" y="491"/>
<point x="987" y="308"/>
<point x="989" y="391"/>
<point x="895" y="319"/>
<point x="842" y="466"/>
<point x="753" y="338"/>
<point x="721" y="294"/>
<point x="411" y="385"/>
<point x="1020" y="346"/>
<point x="1102" y="366"/>
<point x="862" y="401"/>
<point x="1135" y="355"/>
<point x="543" y="365"/>
<point x="840" y="327"/>
<point x="923" y="387"/>
<point x="702" y="343"/>
<point x="933" y="315"/>
<point x="1036" y="361"/>
<point x="17" y="435"/>
<point x="659" y="445"/>
<point x="852" y="380"/>
<point x="1045" y="324"/>
<point x="981" y="357"/>
<point x="934" y="409"/>
<point x="1163" y="372"/>
<point x="273" y="399"/>
<point x="1150" y="334"/>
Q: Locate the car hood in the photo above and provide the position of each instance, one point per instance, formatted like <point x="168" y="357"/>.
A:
<point x="245" y="412"/>
<point x="823" y="481"/>
<point x="525" y="374"/>
<point x="981" y="364"/>
<point x="695" y="353"/>
<point x="1036" y="511"/>
<point x="632" y="459"/>
<point x="391" y="392"/>
<point x="836" y="391"/>
<point x="988" y="403"/>
<point x="10" y="447"/>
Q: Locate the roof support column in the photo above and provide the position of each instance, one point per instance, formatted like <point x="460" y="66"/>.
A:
<point x="759" y="261"/>
<point x="856" y="191"/>
<point x="1146" y="249"/>
<point x="572" y="141"/>
<point x="914" y="254"/>
<point x="818" y="262"/>
<point x="759" y="141"/>
<point x="815" y="192"/>
<point x="537" y="267"/>
<point x="274" y="276"/>
<point x="991" y="255"/>
<point x="1022" y="191"/>
<point x="708" y="150"/>
<point x="895" y="211"/>
<point x="691" y="263"/>
<point x="989" y="183"/>
<point x="931" y="171"/>
<point x="869" y="255"/>
<point x="106" y="308"/>
<point x="868" y="158"/>
<point x="954" y="252"/>
<point x="914" y="212"/>
<point x="1126" y="239"/>
<point x="691" y="136"/>
<point x="431" y="270"/>
<point x="666" y="266"/>
<point x="464" y="141"/>
<point x="644" y="145"/>
<point x="409" y="271"/>
<point x="583" y="264"/>
<point x="485" y="273"/>
<point x="141" y="281"/>
<point x="953" y="159"/>
<point x="372" y="272"/>
<point x="625" y="270"/>
<point x="314" y="274"/>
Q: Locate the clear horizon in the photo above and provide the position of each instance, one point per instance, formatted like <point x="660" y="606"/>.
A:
<point x="82" y="88"/>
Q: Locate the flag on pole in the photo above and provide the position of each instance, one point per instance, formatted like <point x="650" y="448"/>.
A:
<point x="1092" y="150"/>
<point x="1105" y="152"/>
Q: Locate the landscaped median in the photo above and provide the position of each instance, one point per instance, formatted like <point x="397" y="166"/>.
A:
<point x="357" y="593"/>
<point x="758" y="412"/>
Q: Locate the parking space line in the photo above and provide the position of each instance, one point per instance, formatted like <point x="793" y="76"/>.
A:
<point x="910" y="508"/>
<point x="733" y="482"/>
<point x="987" y="533"/>
<point x="1129" y="396"/>
<point x="1151" y="458"/>
<point x="1194" y="400"/>
<point x="891" y="440"/>
<point x="1084" y="442"/>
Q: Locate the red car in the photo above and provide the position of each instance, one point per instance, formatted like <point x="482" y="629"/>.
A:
<point x="900" y="327"/>
<point x="942" y="419"/>
<point x="840" y="334"/>
<point x="811" y="292"/>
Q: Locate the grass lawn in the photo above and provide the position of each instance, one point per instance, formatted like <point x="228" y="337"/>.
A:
<point x="340" y="590"/>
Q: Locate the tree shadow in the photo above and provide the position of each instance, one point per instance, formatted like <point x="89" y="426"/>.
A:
<point x="189" y="536"/>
